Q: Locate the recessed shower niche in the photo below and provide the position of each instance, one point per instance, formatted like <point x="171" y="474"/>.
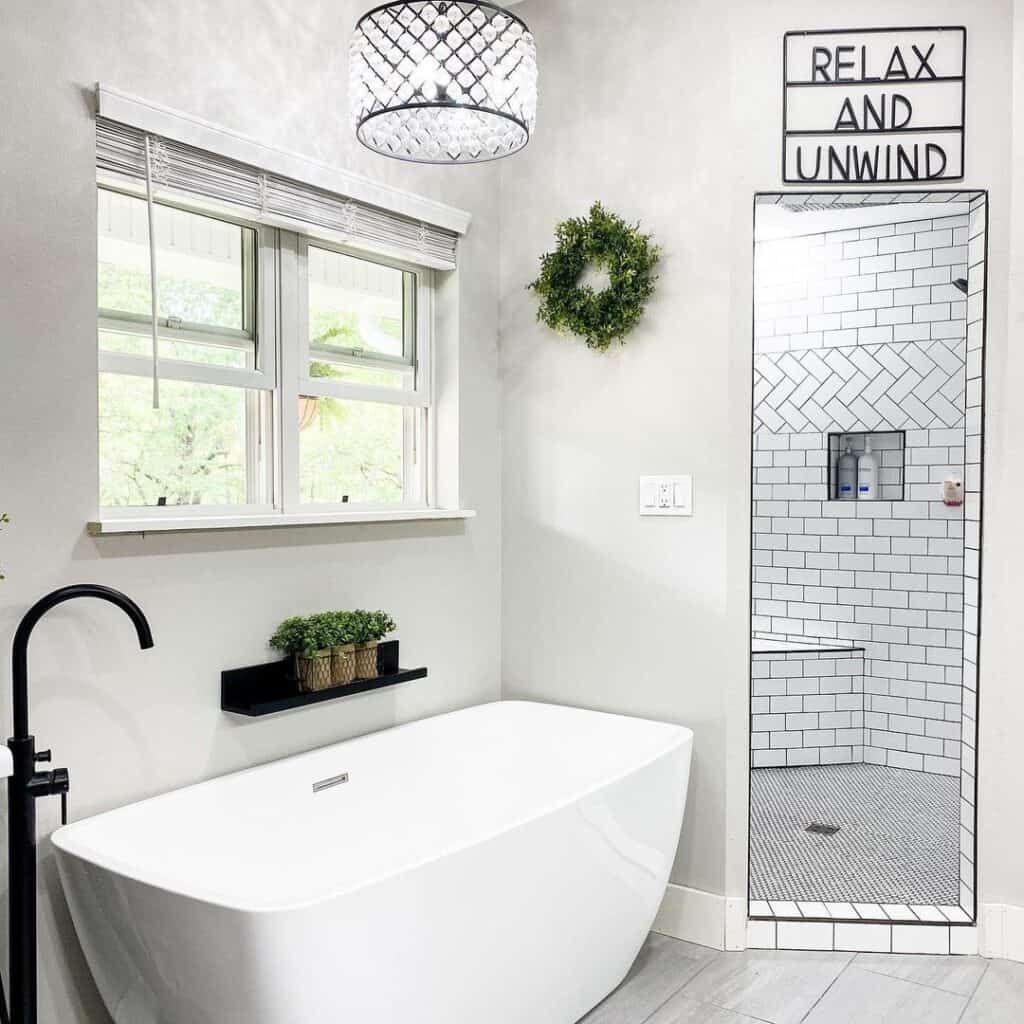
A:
<point x="889" y="449"/>
<point x="868" y="329"/>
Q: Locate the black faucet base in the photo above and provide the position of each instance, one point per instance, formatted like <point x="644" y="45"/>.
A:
<point x="21" y="853"/>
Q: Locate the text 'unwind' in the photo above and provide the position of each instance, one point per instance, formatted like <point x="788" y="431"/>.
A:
<point x="873" y="106"/>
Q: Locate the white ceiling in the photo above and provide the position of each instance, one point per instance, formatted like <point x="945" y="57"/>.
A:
<point x="775" y="221"/>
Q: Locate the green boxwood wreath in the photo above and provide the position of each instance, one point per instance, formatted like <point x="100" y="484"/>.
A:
<point x="599" y="240"/>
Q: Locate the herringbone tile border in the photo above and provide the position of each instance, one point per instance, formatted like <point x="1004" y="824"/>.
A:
<point x="908" y="386"/>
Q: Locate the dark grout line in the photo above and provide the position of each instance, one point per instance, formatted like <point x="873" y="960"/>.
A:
<point x="657" y="1009"/>
<point x="711" y="1002"/>
<point x="920" y="984"/>
<point x="711" y="959"/>
<point x="854" y="960"/>
<point x="828" y="989"/>
<point x="970" y="998"/>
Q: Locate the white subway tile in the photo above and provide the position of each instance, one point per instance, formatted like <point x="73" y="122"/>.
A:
<point x="963" y="941"/>
<point x="863" y="938"/>
<point x="920" y="938"/>
<point x="761" y="934"/>
<point x="811" y="935"/>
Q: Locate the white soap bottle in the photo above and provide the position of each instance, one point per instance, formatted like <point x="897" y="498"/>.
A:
<point x="846" y="475"/>
<point x="867" y="474"/>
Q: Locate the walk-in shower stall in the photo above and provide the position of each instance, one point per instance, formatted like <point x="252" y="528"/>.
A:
<point x="869" y="327"/>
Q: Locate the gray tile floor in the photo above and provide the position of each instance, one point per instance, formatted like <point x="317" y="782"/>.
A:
<point x="675" y="982"/>
<point x="898" y="838"/>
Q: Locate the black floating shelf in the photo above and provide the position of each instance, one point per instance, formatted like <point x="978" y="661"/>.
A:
<point x="269" y="688"/>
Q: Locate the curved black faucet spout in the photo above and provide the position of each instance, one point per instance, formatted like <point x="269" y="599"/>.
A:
<point x="24" y="787"/>
<point x="19" y="653"/>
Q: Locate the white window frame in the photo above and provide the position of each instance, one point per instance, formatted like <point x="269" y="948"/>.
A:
<point x="259" y="383"/>
<point x="258" y="331"/>
<point x="281" y="335"/>
<point x="417" y="459"/>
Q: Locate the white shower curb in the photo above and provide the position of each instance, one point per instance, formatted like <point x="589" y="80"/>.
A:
<point x="721" y="922"/>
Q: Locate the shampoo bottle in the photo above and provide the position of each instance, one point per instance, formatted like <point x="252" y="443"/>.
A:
<point x="846" y="477"/>
<point x="867" y="474"/>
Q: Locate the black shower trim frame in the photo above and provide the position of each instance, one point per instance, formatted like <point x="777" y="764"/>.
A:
<point x="899" y="193"/>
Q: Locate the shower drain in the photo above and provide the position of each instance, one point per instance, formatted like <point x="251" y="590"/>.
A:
<point x="822" y="830"/>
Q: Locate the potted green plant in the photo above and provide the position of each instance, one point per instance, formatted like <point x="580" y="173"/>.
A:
<point x="308" y="639"/>
<point x="365" y="648"/>
<point x="343" y="650"/>
<point x="368" y="629"/>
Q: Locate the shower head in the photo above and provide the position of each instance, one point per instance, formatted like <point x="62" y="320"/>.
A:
<point x="961" y="283"/>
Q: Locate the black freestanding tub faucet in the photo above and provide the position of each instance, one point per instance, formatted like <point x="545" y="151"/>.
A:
<point x="25" y="786"/>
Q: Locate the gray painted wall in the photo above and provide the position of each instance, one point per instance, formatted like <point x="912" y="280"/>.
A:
<point x="127" y="724"/>
<point x="600" y="607"/>
<point x="1000" y="689"/>
<point x="670" y="114"/>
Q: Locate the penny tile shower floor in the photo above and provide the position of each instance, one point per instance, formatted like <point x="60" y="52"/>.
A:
<point x="898" y="838"/>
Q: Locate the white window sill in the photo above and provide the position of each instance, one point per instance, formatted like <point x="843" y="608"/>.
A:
<point x="104" y="527"/>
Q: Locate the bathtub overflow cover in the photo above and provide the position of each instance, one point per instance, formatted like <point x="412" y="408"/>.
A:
<point x="334" y="780"/>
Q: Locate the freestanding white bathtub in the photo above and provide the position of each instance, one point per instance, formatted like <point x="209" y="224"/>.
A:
<point x="498" y="865"/>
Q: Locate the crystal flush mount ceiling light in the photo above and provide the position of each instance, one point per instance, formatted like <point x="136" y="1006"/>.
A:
<point x="443" y="83"/>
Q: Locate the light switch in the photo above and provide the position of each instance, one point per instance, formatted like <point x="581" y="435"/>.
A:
<point x="666" y="495"/>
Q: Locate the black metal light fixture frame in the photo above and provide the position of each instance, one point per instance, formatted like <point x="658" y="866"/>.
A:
<point x="468" y="79"/>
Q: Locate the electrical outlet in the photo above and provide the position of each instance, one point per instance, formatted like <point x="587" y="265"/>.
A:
<point x="666" y="495"/>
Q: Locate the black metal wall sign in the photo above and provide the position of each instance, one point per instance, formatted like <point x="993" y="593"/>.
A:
<point x="874" y="105"/>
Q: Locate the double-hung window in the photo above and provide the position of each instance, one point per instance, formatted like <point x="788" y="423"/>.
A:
<point x="364" y="402"/>
<point x="208" y="443"/>
<point x="292" y="374"/>
<point x="269" y="354"/>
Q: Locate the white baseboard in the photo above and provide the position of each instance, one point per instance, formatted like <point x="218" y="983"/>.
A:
<point x="736" y="922"/>
<point x="1002" y="931"/>
<point x="721" y="923"/>
<point x="703" y="917"/>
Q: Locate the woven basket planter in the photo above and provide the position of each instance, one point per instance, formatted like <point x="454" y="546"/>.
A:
<point x="314" y="673"/>
<point x="366" y="660"/>
<point x="343" y="664"/>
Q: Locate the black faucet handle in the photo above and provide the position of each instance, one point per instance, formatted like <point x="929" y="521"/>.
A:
<point x="61" y="785"/>
<point x="43" y="755"/>
<point x="52" y="783"/>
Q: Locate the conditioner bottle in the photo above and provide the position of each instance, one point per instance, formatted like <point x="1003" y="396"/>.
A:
<point x="867" y="474"/>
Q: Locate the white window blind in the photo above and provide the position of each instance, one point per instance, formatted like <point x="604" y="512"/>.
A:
<point x="267" y="197"/>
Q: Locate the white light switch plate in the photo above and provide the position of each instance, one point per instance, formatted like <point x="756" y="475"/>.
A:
<point x="666" y="495"/>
